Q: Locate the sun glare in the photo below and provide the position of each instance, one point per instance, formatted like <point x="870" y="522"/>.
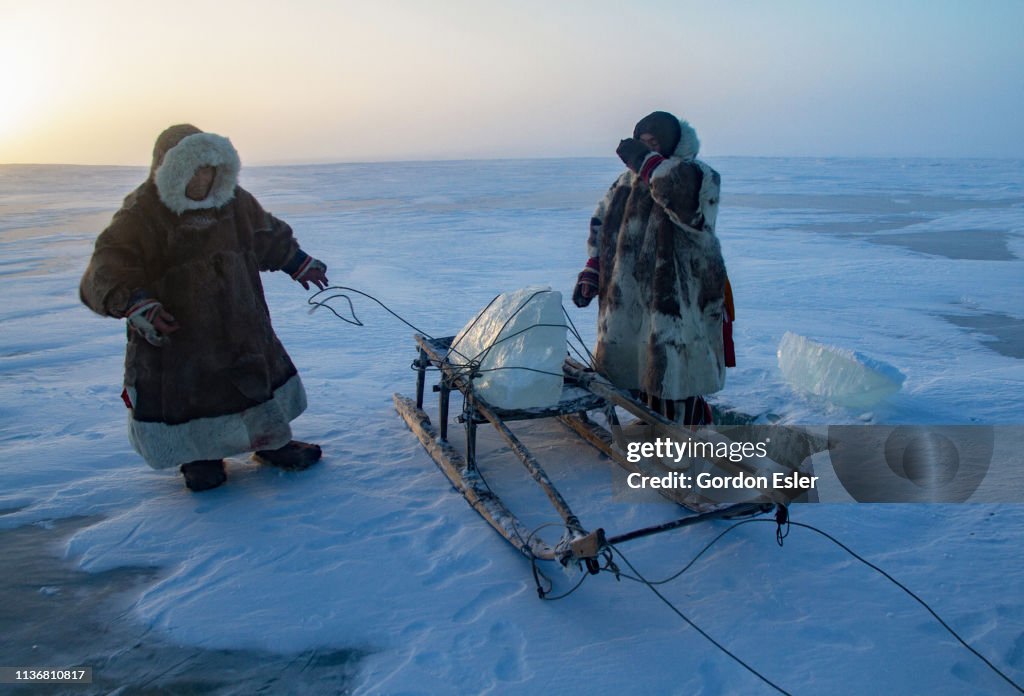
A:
<point x="18" y="94"/>
<point x="23" y="86"/>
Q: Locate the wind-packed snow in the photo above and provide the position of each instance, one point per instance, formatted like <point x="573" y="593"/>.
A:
<point x="518" y="340"/>
<point x="917" y="263"/>
<point x="844" y="377"/>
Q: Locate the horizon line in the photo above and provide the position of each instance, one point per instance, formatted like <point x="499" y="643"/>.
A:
<point x="326" y="162"/>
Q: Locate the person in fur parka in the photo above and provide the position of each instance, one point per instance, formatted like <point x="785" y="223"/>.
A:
<point x="205" y="375"/>
<point x="656" y="267"/>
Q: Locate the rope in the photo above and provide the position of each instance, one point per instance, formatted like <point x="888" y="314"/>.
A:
<point x="695" y="558"/>
<point x="781" y="519"/>
<point x="579" y="355"/>
<point x="589" y="360"/>
<point x="316" y="304"/>
<point x="483" y="354"/>
<point x="512" y="316"/>
<point x="783" y="522"/>
<point x="537" y="573"/>
<point x="546" y="598"/>
<point x="451" y="349"/>
<point x="543" y="592"/>
<point x="695" y="626"/>
<point x="903" y="587"/>
<point x="471" y="366"/>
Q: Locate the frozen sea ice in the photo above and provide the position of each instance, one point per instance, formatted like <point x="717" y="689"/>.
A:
<point x="844" y="377"/>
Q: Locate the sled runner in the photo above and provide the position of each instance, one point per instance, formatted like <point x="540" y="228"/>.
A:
<point x="583" y="392"/>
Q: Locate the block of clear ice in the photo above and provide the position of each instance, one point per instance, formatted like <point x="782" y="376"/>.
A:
<point x="844" y="377"/>
<point x="518" y="343"/>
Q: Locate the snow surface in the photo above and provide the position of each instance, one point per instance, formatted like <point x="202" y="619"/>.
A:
<point x="373" y="550"/>
<point x="844" y="377"/>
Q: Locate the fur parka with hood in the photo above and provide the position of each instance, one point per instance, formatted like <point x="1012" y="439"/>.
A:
<point x="223" y="384"/>
<point x="662" y="278"/>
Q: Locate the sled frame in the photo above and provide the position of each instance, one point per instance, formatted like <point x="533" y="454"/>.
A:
<point x="583" y="391"/>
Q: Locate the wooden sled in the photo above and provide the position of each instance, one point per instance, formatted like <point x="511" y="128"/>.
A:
<point x="583" y="391"/>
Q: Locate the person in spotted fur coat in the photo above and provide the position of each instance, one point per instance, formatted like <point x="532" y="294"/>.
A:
<point x="656" y="269"/>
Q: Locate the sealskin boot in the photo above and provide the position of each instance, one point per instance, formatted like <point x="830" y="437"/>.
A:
<point x="295" y="456"/>
<point x="204" y="474"/>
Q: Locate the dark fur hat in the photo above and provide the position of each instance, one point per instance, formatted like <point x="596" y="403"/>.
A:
<point x="663" y="126"/>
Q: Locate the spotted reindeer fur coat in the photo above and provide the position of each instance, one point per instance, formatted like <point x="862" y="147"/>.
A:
<point x="662" y="278"/>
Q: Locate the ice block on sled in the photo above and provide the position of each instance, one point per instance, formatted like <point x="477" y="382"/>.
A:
<point x="844" y="377"/>
<point x="519" y="329"/>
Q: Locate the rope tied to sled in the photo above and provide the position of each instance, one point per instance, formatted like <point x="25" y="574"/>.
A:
<point x="470" y="365"/>
<point x="783" y="525"/>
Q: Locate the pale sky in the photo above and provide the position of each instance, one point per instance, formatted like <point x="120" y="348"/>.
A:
<point x="95" y="81"/>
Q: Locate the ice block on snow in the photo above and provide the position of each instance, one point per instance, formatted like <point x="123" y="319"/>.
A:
<point x="844" y="377"/>
<point x="520" y="329"/>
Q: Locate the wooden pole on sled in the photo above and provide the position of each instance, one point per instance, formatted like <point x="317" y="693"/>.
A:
<point x="530" y="462"/>
<point x="599" y="386"/>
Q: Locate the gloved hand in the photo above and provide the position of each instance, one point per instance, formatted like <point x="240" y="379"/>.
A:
<point x="311" y="271"/>
<point x="639" y="157"/>
<point x="586" y="283"/>
<point x="632" y="152"/>
<point x="150" y="320"/>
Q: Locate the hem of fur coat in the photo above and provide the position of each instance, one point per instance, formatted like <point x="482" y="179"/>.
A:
<point x="668" y="388"/>
<point x="265" y="426"/>
<point x="181" y="162"/>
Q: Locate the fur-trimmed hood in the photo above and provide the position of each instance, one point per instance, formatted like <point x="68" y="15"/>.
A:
<point x="670" y="131"/>
<point x="689" y="145"/>
<point x="225" y="384"/>
<point x="180" y="151"/>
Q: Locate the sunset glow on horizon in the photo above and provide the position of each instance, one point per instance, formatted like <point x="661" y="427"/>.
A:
<point x="95" y="82"/>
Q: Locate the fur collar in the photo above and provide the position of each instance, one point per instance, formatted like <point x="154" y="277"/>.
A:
<point x="689" y="145"/>
<point x="182" y="161"/>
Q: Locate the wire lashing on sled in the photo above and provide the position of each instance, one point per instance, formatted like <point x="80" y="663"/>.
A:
<point x="469" y="365"/>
